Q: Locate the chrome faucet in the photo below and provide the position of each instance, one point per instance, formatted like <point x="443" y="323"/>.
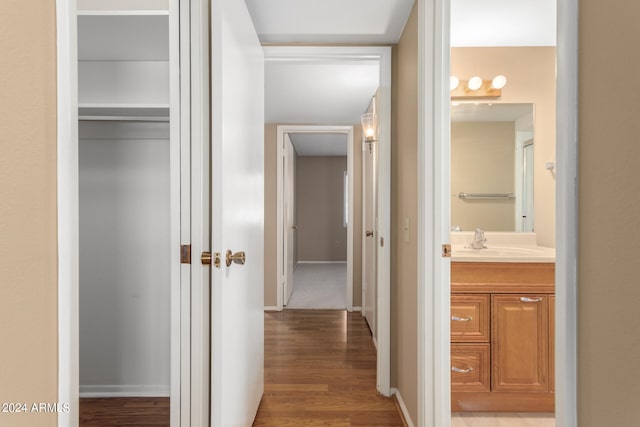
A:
<point x="478" y="240"/>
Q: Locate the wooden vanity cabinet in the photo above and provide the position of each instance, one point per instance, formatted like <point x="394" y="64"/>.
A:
<point x="502" y="323"/>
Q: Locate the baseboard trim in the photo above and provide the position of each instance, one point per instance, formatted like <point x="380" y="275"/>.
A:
<point x="402" y="408"/>
<point x="270" y="308"/>
<point x="322" y="262"/>
<point x="124" y="391"/>
<point x="357" y="308"/>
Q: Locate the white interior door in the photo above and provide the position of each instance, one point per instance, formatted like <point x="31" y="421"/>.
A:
<point x="237" y="212"/>
<point x="369" y="237"/>
<point x="289" y="218"/>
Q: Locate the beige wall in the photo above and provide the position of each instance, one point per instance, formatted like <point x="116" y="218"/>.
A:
<point x="322" y="235"/>
<point x="609" y="215"/>
<point x="270" y="215"/>
<point x="28" y="257"/>
<point x="404" y="196"/>
<point x="482" y="161"/>
<point x="270" y="243"/>
<point x="530" y="73"/>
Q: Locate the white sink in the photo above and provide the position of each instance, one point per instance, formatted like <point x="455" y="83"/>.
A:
<point x="501" y="248"/>
<point x="500" y="251"/>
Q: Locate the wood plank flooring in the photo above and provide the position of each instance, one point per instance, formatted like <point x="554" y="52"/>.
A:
<point x="124" y="411"/>
<point x="320" y="370"/>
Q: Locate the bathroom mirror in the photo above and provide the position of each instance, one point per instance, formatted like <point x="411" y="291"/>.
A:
<point x="492" y="148"/>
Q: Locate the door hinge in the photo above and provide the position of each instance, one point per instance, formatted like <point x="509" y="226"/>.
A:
<point x="446" y="250"/>
<point x="185" y="254"/>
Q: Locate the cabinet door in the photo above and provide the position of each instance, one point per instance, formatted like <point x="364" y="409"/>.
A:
<point x="470" y="318"/>
<point x="520" y="343"/>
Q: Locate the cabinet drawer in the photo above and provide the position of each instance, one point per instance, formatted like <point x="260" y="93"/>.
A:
<point x="470" y="364"/>
<point x="470" y="318"/>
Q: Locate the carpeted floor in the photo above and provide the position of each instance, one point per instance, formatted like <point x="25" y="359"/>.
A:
<point x="319" y="286"/>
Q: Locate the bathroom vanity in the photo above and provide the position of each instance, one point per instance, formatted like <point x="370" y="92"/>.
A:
<point x="502" y="330"/>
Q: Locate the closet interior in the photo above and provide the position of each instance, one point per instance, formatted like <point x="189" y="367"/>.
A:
<point x="124" y="173"/>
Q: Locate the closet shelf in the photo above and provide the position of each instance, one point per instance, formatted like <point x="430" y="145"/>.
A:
<point x="122" y="7"/>
<point x="147" y="113"/>
<point x="122" y="12"/>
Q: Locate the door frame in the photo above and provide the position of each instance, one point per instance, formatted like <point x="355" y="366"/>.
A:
<point x="67" y="175"/>
<point x="434" y="409"/>
<point x="381" y="54"/>
<point x="283" y="130"/>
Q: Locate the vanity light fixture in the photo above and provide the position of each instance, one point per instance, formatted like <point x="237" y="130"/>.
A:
<point x="476" y="87"/>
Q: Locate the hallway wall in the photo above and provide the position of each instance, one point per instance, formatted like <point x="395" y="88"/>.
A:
<point x="322" y="235"/>
<point x="28" y="220"/>
<point x="609" y="214"/>
<point x="404" y="205"/>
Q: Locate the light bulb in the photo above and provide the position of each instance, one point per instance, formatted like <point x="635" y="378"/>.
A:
<point x="498" y="82"/>
<point x="453" y="82"/>
<point x="370" y="132"/>
<point x="474" y="83"/>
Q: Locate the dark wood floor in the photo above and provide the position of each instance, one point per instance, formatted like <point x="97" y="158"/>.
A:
<point x="320" y="370"/>
<point x="124" y="411"/>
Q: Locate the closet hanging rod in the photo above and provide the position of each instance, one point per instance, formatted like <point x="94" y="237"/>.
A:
<point x="124" y="118"/>
<point x="486" y="196"/>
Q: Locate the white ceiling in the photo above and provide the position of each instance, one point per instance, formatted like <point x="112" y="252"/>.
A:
<point x="319" y="144"/>
<point x="299" y="93"/>
<point x="473" y="22"/>
<point x="329" y="21"/>
<point x="316" y="92"/>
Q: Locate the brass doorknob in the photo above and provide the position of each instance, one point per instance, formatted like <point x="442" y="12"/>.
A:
<point x="368" y="233"/>
<point x="238" y="257"/>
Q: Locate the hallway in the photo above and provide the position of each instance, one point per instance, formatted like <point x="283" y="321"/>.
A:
<point x="320" y="370"/>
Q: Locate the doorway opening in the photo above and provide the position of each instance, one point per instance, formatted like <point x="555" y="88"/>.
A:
<point x="119" y="210"/>
<point x="436" y="304"/>
<point x="503" y="213"/>
<point x="317" y="216"/>
<point x="335" y="73"/>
